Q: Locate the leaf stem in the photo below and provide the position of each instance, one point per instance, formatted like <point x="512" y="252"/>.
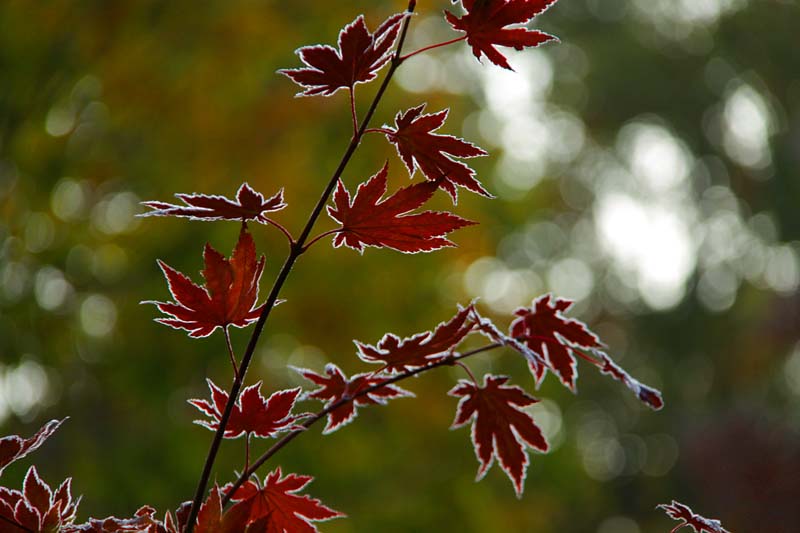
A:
<point x="230" y="352"/>
<point x="320" y="236"/>
<point x="282" y="229"/>
<point x="295" y="252"/>
<point x="353" y="110"/>
<point x="469" y="372"/>
<point x="431" y="47"/>
<point x="289" y="437"/>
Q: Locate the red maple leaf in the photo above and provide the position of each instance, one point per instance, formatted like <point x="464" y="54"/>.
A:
<point x="212" y="519"/>
<point x="485" y="25"/>
<point x="228" y="298"/>
<point x="15" y="447"/>
<point x="500" y="428"/>
<point x="252" y="413"/>
<point x="553" y="337"/>
<point x="360" y="56"/>
<point x="679" y="511"/>
<point x="418" y="146"/>
<point x="143" y="521"/>
<point x="401" y="355"/>
<point x="368" y="221"/>
<point x="335" y="387"/>
<point x="249" y="205"/>
<point x="277" y="506"/>
<point x="648" y="395"/>
<point x="37" y="508"/>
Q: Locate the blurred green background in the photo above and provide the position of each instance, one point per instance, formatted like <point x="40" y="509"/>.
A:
<point x="646" y="166"/>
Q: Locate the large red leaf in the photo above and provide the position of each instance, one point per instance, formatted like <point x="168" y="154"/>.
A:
<point x="37" y="508"/>
<point x="278" y="507"/>
<point x="401" y="355"/>
<point x="432" y="153"/>
<point x="228" y="298"/>
<point x="249" y="205"/>
<point x="252" y="413"/>
<point x="369" y="221"/>
<point x="500" y="428"/>
<point x="15" y="447"/>
<point x="360" y="56"/>
<point x="485" y="25"/>
<point x="679" y="511"/>
<point x="553" y="337"/>
<point x="335" y="386"/>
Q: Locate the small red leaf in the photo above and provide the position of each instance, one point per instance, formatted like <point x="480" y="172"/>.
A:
<point x="279" y="507"/>
<point x="422" y="349"/>
<point x="553" y="337"/>
<point x="500" y="428"/>
<point x="252" y="413"/>
<point x="15" y="447"/>
<point x="367" y="221"/>
<point x="432" y="153"/>
<point x="647" y="395"/>
<point x="485" y="25"/>
<point x="36" y="507"/>
<point x="249" y="205"/>
<point x="360" y="56"/>
<point x="679" y="511"/>
<point x="229" y="296"/>
<point x="335" y="387"/>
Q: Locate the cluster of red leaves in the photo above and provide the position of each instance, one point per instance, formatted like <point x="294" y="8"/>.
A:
<point x="252" y="414"/>
<point x="485" y="26"/>
<point x="679" y="511"/>
<point x="37" y="508"/>
<point x="228" y="298"/>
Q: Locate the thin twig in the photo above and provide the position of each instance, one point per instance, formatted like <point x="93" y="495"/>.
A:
<point x="295" y="252"/>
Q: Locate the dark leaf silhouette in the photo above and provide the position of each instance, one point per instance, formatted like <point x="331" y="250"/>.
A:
<point x="500" y="428"/>
<point x="485" y="25"/>
<point x="252" y="413"/>
<point x="15" y="447"/>
<point x="422" y="349"/>
<point x="369" y="221"/>
<point x="228" y="298"/>
<point x="335" y="386"/>
<point x="360" y="56"/>
<point x="249" y="205"/>
<point x="678" y="511"/>
<point x="419" y="147"/>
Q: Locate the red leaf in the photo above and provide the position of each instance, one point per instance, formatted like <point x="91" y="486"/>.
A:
<point x="485" y="25"/>
<point x="249" y="205"/>
<point x="37" y="508"/>
<point x="648" y="395"/>
<point x="678" y="511"/>
<point x="228" y="298"/>
<point x="401" y="355"/>
<point x="500" y="428"/>
<point x="432" y="153"/>
<point x="252" y="413"/>
<point x="15" y="447"/>
<point x="360" y="56"/>
<point x="143" y="521"/>
<point x="279" y="507"/>
<point x="546" y="332"/>
<point x="335" y="387"/>
<point x="367" y="221"/>
<point x="211" y="518"/>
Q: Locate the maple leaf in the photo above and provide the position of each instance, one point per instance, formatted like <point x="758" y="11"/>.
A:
<point x="360" y="56"/>
<point x="485" y="25"/>
<point x="228" y="298"/>
<point x="37" y="508"/>
<point x="143" y="521"/>
<point x="249" y="205"/>
<point x="648" y="395"/>
<point x="15" y="447"/>
<point x="368" y="221"/>
<point x="419" y="147"/>
<point x="679" y="511"/>
<point x="401" y="355"/>
<point x="335" y="386"/>
<point x="277" y="506"/>
<point x="553" y="337"/>
<point x="252" y="413"/>
<point x="500" y="428"/>
<point x="212" y="519"/>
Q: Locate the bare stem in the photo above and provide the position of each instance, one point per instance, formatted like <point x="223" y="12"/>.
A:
<point x="289" y="437"/>
<point x="295" y="252"/>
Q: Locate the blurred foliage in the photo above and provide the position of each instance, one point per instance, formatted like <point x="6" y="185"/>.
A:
<point x="647" y="166"/>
